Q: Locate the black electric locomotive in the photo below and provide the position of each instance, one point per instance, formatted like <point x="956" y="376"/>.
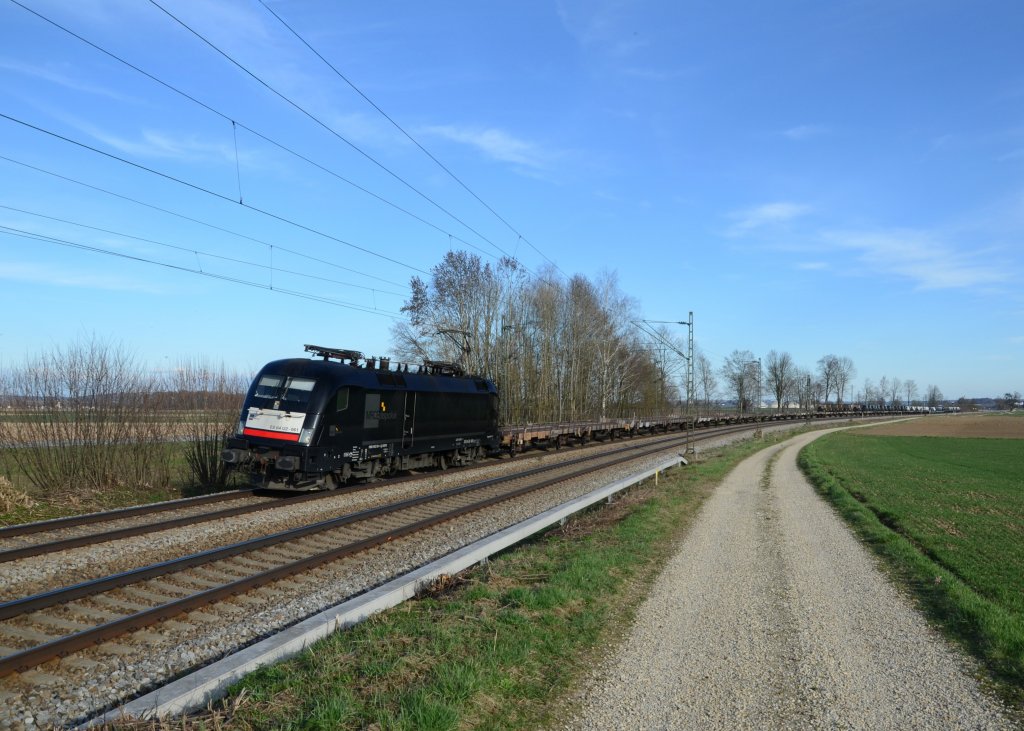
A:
<point x="313" y="424"/>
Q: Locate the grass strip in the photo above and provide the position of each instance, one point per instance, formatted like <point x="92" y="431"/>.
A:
<point x="497" y="647"/>
<point x="945" y="514"/>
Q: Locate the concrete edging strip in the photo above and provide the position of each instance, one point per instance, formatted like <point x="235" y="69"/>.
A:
<point x="196" y="689"/>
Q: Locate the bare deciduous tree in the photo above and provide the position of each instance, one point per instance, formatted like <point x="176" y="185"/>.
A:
<point x="883" y="390"/>
<point x="780" y="373"/>
<point x="802" y="389"/>
<point x="910" y="389"/>
<point x="706" y="383"/>
<point x="895" y="389"/>
<point x="828" y="372"/>
<point x="845" y="372"/>
<point x="740" y="374"/>
<point x="870" y="394"/>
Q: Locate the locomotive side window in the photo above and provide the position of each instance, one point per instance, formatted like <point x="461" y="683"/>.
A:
<point x="338" y="417"/>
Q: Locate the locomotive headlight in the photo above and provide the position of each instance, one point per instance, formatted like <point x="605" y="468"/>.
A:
<point x="240" y="429"/>
<point x="306" y="435"/>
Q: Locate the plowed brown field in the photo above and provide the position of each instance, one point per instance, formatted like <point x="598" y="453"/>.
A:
<point x="960" y="425"/>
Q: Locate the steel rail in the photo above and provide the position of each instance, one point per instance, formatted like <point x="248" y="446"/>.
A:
<point x="42" y="526"/>
<point x="37" y="549"/>
<point x="26" y="605"/>
<point x="63" y="646"/>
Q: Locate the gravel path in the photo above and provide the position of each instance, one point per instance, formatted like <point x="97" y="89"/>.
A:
<point x="772" y="615"/>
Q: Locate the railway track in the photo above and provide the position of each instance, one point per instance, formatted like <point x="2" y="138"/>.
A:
<point x="184" y="602"/>
<point x="44" y="537"/>
<point x="66" y="533"/>
<point x="62" y="534"/>
<point x="255" y="504"/>
<point x="134" y="599"/>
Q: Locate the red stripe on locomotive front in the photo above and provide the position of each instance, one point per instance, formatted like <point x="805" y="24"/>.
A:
<point x="270" y="434"/>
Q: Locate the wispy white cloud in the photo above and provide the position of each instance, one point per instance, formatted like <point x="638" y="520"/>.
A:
<point x="158" y="144"/>
<point x="496" y="144"/>
<point x="53" y="276"/>
<point x="804" y="131"/>
<point x="88" y="10"/>
<point x="59" y="77"/>
<point x="766" y="214"/>
<point x="612" y="28"/>
<point x="921" y="257"/>
<point x="812" y="265"/>
<point x="372" y="131"/>
<point x="240" y="24"/>
<point x="595" y="23"/>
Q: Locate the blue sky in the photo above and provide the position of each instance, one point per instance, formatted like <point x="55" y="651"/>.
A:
<point x="840" y="177"/>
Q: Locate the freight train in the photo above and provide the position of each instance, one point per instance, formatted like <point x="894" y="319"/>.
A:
<point x="313" y="424"/>
<point x="309" y="424"/>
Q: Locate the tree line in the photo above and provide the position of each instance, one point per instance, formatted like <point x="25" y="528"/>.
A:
<point x="558" y="350"/>
<point x="567" y="349"/>
<point x="780" y="380"/>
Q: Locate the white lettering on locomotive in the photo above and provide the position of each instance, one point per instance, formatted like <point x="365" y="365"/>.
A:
<point x="287" y="422"/>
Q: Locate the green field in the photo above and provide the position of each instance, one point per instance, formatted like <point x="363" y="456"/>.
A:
<point x="948" y="515"/>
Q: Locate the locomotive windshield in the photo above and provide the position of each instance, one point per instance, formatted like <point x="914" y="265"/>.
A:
<point x="293" y="391"/>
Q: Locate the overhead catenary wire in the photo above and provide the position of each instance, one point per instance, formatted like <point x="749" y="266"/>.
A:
<point x="240" y="200"/>
<point x="238" y="124"/>
<point x="200" y="222"/>
<point x="207" y="191"/>
<point x="327" y="127"/>
<point x="412" y="139"/>
<point x="197" y="252"/>
<point x="11" y="231"/>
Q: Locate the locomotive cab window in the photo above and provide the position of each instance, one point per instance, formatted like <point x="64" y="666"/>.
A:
<point x="341" y="400"/>
<point x="269" y="386"/>
<point x="293" y="392"/>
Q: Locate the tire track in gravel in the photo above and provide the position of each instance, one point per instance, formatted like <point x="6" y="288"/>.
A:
<point x="772" y="615"/>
